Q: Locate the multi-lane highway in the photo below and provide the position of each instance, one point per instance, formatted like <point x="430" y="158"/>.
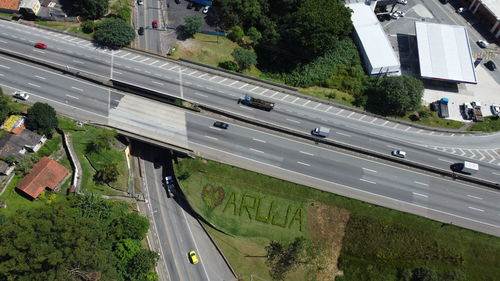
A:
<point x="427" y="147"/>
<point x="445" y="200"/>
<point x="146" y="13"/>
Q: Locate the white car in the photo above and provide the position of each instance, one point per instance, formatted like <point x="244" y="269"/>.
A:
<point x="461" y="10"/>
<point x="21" y="95"/>
<point x="495" y="109"/>
<point x="399" y="153"/>
<point x="205" y="10"/>
<point x="482" y="44"/>
<point x="402" y="2"/>
<point x="397" y="14"/>
<point x="140" y="2"/>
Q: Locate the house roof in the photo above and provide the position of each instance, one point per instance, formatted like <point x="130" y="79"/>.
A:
<point x="9" y="146"/>
<point x="47" y="173"/>
<point x="18" y="130"/>
<point x="12" y="5"/>
<point x="444" y="52"/>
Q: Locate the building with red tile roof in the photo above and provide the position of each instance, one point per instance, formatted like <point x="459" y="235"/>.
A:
<point x="9" y="6"/>
<point x="47" y="173"/>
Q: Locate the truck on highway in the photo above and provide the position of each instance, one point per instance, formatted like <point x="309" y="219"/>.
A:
<point x="321" y="132"/>
<point x="467" y="167"/>
<point x="478" y="115"/>
<point x="257" y="103"/>
<point x="443" y="108"/>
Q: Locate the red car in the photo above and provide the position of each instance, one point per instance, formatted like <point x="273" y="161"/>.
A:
<point x="155" y="23"/>
<point x="40" y="46"/>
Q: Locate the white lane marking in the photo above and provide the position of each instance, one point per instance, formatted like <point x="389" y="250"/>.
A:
<point x="444" y="160"/>
<point x="164" y="64"/>
<point x="198" y="94"/>
<point x="295" y="100"/>
<point x="284" y="97"/>
<point x="306" y="153"/>
<point x="38" y="51"/>
<point x="243" y="86"/>
<point x="203" y="75"/>
<point x="117" y="72"/>
<point x="220" y="82"/>
<point x="385" y="123"/>
<point x="73" y="97"/>
<point x="212" y="78"/>
<point x="419" y="194"/>
<point x="259" y="140"/>
<point x="78" y="89"/>
<point x="77" y="61"/>
<point x="154" y="62"/>
<point x="421" y="183"/>
<point x="254" y="89"/>
<point x="306" y="103"/>
<point x="261" y="93"/>
<point x="4" y="66"/>
<point x="372" y="182"/>
<point x="214" y="128"/>
<point x="338" y="113"/>
<point x="34" y="85"/>
<point x="407" y="129"/>
<point x="475" y="197"/>
<point x="3" y="41"/>
<point x="374" y="119"/>
<point x="294" y="121"/>
<point x="350" y="114"/>
<point x="348" y="187"/>
<point x="40" y="77"/>
<point x="275" y="93"/>
<point x="317" y="106"/>
<point x="329" y="108"/>
<point x="495" y="173"/>
<point x="369" y="170"/>
<point x="209" y="137"/>
<point x="302" y="163"/>
<point x="233" y="83"/>
<point x="259" y="151"/>
<point x="2" y="75"/>
<point x="157" y="83"/>
<point x="476" y="209"/>
<point x="343" y="134"/>
<point x="192" y="72"/>
<point x="134" y="58"/>
<point x="246" y="107"/>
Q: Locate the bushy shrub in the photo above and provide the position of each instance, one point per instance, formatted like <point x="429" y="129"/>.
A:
<point x="87" y="26"/>
<point x="229" y="65"/>
<point x="236" y="34"/>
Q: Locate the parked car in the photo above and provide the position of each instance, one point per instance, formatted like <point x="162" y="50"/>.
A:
<point x="399" y="153"/>
<point x="155" y="24"/>
<point x="495" y="109"/>
<point x="40" y="46"/>
<point x="205" y="10"/>
<point x="140" y="2"/>
<point x="21" y="95"/>
<point x="397" y="14"/>
<point x="193" y="258"/>
<point x="461" y="10"/>
<point x="177" y="1"/>
<point x="491" y="65"/>
<point x="221" y="125"/>
<point x="482" y="44"/>
<point x="141" y="30"/>
<point x="402" y="2"/>
<point x="190" y="5"/>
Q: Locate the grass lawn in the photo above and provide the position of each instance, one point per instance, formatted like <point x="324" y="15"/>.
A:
<point x="329" y="95"/>
<point x="373" y="242"/>
<point x="490" y="124"/>
<point x="81" y="137"/>
<point x="433" y="120"/>
<point x="65" y="26"/>
<point x="5" y="15"/>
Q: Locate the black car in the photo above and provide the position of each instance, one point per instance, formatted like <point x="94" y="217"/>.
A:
<point x="177" y="1"/>
<point x="190" y="5"/>
<point x="491" y="65"/>
<point x="141" y="30"/>
<point x="221" y="125"/>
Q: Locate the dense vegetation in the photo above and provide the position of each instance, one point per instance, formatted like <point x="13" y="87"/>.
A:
<point x="114" y="33"/>
<point x="41" y="117"/>
<point x="6" y="106"/>
<point x="89" y="9"/>
<point x="82" y="238"/>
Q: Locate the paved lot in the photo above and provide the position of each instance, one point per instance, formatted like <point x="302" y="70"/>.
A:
<point x="401" y="34"/>
<point x="177" y="12"/>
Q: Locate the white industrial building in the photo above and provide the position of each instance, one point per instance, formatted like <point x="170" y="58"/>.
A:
<point x="378" y="56"/>
<point x="444" y="53"/>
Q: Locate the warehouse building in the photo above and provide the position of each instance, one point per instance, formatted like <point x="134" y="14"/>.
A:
<point x="376" y="51"/>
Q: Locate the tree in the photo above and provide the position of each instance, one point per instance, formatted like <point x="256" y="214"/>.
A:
<point x="141" y="264"/>
<point x="244" y="58"/>
<point x="236" y="34"/>
<point x="130" y="225"/>
<point x="108" y="173"/>
<point x="114" y="33"/>
<point x="283" y="258"/>
<point x="88" y="26"/>
<point x="42" y="118"/>
<point x="424" y="274"/>
<point x="395" y="95"/>
<point x="104" y="140"/>
<point x="316" y="25"/>
<point x="90" y="9"/>
<point x="192" y="25"/>
<point x="5" y="106"/>
<point x="254" y="35"/>
<point x="229" y="65"/>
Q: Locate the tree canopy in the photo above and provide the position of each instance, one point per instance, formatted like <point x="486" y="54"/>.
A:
<point x="42" y="118"/>
<point x="114" y="33"/>
<point x="5" y="107"/>
<point x="192" y="25"/>
<point x="90" y="9"/>
<point x="244" y="58"/>
<point x="283" y="258"/>
<point x="61" y="242"/>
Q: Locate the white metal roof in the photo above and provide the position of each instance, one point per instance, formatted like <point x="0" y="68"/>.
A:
<point x="375" y="43"/>
<point x="444" y="52"/>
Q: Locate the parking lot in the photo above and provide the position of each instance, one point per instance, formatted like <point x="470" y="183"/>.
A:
<point x="177" y="12"/>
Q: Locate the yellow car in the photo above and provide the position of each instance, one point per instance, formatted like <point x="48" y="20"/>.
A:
<point x="193" y="257"/>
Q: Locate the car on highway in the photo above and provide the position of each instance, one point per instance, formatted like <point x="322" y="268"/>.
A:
<point x="140" y="2"/>
<point x="399" y="153"/>
<point x="402" y="2"/>
<point x="482" y="43"/>
<point x="40" y="46"/>
<point x="177" y="1"/>
<point x="461" y="10"/>
<point x="490" y="65"/>
<point x="21" y="95"/>
<point x="495" y="109"/>
<point x="155" y="24"/>
<point x="193" y="258"/>
<point x="140" y="31"/>
<point x="169" y="182"/>
<point x="221" y="125"/>
<point x="205" y="10"/>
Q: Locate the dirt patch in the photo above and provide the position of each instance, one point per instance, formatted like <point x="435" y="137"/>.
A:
<point x="327" y="224"/>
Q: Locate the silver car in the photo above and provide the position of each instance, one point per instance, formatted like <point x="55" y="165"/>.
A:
<point x="21" y="95"/>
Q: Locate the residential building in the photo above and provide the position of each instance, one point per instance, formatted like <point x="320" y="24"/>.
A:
<point x="46" y="174"/>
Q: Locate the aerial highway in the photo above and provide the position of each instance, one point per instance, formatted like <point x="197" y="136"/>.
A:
<point x="436" y="149"/>
<point x="146" y="13"/>
<point x="296" y="160"/>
